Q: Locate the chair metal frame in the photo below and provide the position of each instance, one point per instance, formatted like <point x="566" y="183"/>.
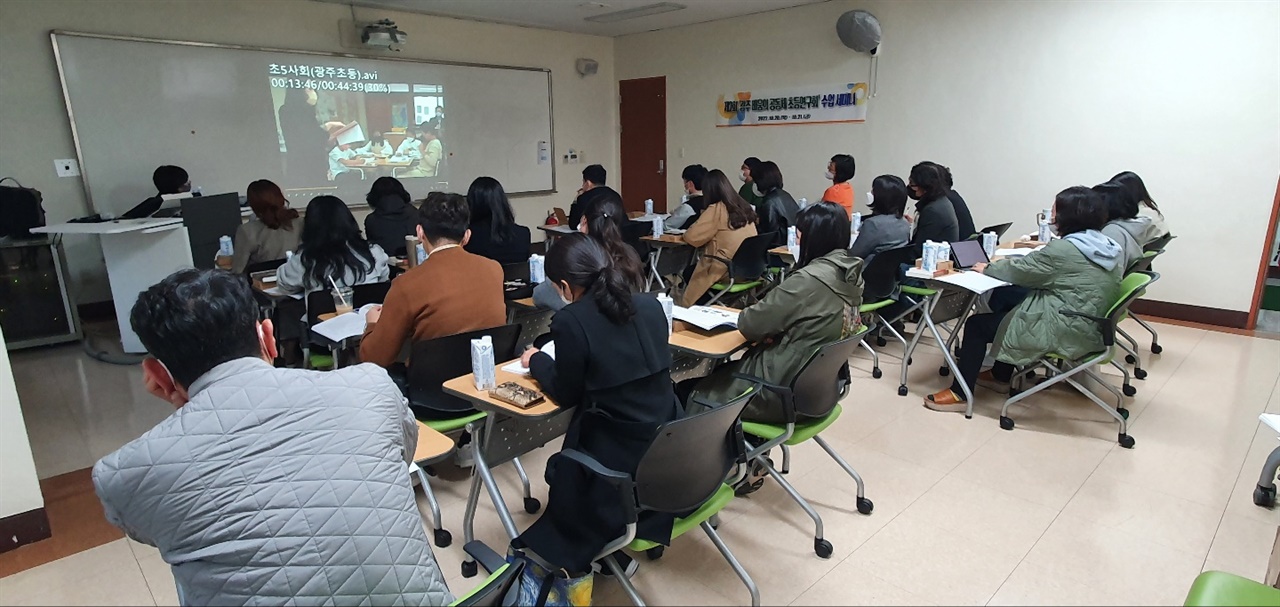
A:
<point x="735" y="265"/>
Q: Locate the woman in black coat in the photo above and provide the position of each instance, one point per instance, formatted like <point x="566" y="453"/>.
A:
<point x="612" y="367"/>
<point x="393" y="216"/>
<point x="494" y="231"/>
<point x="777" y="209"/>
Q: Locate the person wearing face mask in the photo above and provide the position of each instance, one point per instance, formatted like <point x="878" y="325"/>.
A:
<point x="935" y="216"/>
<point x="885" y="229"/>
<point x="777" y="209"/>
<point x="839" y="171"/>
<point x="612" y="369"/>
<point x="1080" y="272"/>
<point x="603" y="220"/>
<point x="747" y="191"/>
<point x="692" y="204"/>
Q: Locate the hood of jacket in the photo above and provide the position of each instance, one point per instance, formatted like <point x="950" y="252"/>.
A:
<point x="1097" y="248"/>
<point x="391" y="204"/>
<point x="840" y="272"/>
<point x="1143" y="229"/>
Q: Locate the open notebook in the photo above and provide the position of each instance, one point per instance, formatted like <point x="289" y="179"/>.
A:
<point x="344" y="326"/>
<point x="706" y="317"/>
<point x="519" y="369"/>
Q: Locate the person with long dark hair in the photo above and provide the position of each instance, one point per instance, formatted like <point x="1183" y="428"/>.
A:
<point x="603" y="219"/>
<point x="612" y="368"/>
<point x="1138" y="190"/>
<point x="727" y="221"/>
<point x="815" y="305"/>
<point x="885" y="229"/>
<point x="274" y="230"/>
<point x="777" y="209"/>
<point x="392" y="215"/>
<point x="964" y="218"/>
<point x="494" y="231"/>
<point x="331" y="249"/>
<point x="746" y="176"/>
<point x="1080" y="272"/>
<point x="1124" y="225"/>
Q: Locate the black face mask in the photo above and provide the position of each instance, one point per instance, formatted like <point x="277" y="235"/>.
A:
<point x="911" y="192"/>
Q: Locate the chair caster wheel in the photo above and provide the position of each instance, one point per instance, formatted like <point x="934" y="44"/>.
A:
<point x="1130" y="359"/>
<point x="882" y="342"/>
<point x="443" y="538"/>
<point x="1126" y="441"/>
<point x="876" y="373"/>
<point x="1264" y="497"/>
<point x="944" y="370"/>
<point x="822" y="548"/>
<point x="1155" y="348"/>
<point x="1129" y="390"/>
<point x="469" y="568"/>
<point x="902" y="390"/>
<point x="1140" y="373"/>
<point x="655" y="553"/>
<point x="909" y="361"/>
<point x="865" y="506"/>
<point x="1006" y="423"/>
<point x="1123" y="412"/>
<point x="532" y="505"/>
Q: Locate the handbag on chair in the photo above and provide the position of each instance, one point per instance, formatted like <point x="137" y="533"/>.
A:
<point x="541" y="586"/>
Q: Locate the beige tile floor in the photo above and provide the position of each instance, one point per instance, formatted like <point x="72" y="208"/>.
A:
<point x="1050" y="513"/>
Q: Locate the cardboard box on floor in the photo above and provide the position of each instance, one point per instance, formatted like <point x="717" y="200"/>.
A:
<point x="1273" y="565"/>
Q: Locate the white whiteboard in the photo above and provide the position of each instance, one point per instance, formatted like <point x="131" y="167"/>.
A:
<point x="216" y="111"/>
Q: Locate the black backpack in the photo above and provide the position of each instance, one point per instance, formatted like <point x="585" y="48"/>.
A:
<point x="20" y="209"/>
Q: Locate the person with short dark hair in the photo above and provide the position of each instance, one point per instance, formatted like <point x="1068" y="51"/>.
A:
<point x="747" y="191"/>
<point x="840" y="170"/>
<point x="815" y="305"/>
<point x="331" y="251"/>
<point x="612" y="366"/>
<point x="273" y="232"/>
<point x="885" y="229"/>
<point x="593" y="178"/>
<point x="494" y="231"/>
<point x="1124" y="225"/>
<point x="692" y="205"/>
<point x="727" y="221"/>
<point x="452" y="291"/>
<point x="936" y="222"/>
<point x="168" y="179"/>
<point x="964" y="218"/>
<point x="241" y="479"/>
<point x="604" y="220"/>
<point x="391" y="216"/>
<point x="1080" y="272"/>
<point x="777" y="209"/>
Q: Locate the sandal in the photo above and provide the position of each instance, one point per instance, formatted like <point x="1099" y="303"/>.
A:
<point x="945" y="401"/>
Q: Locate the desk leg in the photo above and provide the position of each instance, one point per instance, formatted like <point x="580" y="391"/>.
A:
<point x="482" y="468"/>
<point x="473" y="499"/>
<point x="915" y="339"/>
<point x="968" y="311"/>
<point x="946" y="355"/>
<point x="653" y="269"/>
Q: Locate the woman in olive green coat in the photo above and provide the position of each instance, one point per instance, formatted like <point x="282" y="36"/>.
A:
<point x="1079" y="272"/>
<point x="816" y="305"/>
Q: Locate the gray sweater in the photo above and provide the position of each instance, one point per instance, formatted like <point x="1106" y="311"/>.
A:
<point x="880" y="233"/>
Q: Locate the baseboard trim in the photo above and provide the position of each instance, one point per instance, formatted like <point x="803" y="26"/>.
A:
<point x="23" y="528"/>
<point x="1189" y="313"/>
<point x="97" y="311"/>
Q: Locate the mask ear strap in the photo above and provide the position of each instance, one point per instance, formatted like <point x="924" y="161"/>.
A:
<point x="166" y="371"/>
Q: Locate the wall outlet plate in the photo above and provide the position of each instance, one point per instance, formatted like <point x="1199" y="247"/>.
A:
<point x="67" y="167"/>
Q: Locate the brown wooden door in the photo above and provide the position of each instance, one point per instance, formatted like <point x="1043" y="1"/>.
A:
<point x="643" y="114"/>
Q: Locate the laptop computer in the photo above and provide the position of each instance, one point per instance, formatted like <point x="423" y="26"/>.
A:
<point x="968" y="253"/>
<point x="999" y="229"/>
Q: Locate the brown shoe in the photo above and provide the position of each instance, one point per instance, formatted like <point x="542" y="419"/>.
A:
<point x="988" y="380"/>
<point x="945" y="401"/>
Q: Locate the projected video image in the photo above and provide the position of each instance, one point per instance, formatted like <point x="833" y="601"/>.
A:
<point x="339" y="124"/>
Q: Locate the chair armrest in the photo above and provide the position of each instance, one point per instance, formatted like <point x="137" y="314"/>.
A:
<point x="728" y="264"/>
<point x="483" y="554"/>
<point x="621" y="481"/>
<point x="1107" y="327"/>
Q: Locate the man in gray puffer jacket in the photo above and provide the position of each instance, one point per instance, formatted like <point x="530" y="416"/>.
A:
<point x="266" y="486"/>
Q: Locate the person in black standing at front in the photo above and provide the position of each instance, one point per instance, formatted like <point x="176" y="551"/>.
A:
<point x="613" y="369"/>
<point x="494" y="231"/>
<point x="306" y="161"/>
<point x="777" y="209"/>
<point x="168" y="179"/>
<point x="935" y="215"/>
<point x="393" y="217"/>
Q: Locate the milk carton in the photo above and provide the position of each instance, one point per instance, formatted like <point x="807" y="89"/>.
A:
<point x="989" y="244"/>
<point x="657" y="228"/>
<point x="225" y="248"/>
<point x="929" y="256"/>
<point x="668" y="308"/>
<point x="792" y="241"/>
<point x="1046" y="231"/>
<point x="537" y="268"/>
<point x="482" y="366"/>
<point x="855" y="224"/>
<point x="648" y="206"/>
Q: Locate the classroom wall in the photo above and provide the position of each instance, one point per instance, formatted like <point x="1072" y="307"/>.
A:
<point x="36" y="129"/>
<point x="1021" y="99"/>
<point x="19" y="486"/>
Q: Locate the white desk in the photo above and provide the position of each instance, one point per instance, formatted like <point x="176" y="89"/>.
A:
<point x="139" y="253"/>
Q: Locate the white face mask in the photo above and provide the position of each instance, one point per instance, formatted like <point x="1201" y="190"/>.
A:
<point x="684" y="199"/>
<point x="755" y="188"/>
<point x="870" y="198"/>
<point x="742" y="177"/>
<point x="566" y="300"/>
<point x="829" y="175"/>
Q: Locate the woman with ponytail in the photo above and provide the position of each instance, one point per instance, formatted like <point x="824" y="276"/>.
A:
<point x="602" y="219"/>
<point x="612" y="368"/>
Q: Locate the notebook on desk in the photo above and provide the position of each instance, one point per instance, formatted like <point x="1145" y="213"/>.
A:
<point x="706" y="317"/>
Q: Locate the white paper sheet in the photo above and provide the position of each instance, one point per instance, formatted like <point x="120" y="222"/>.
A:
<point x="344" y="326"/>
<point x="1271" y="419"/>
<point x="706" y="318"/>
<point x="519" y="369"/>
<point x="973" y="281"/>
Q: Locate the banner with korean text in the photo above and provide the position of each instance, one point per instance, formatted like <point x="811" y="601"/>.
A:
<point x="800" y="105"/>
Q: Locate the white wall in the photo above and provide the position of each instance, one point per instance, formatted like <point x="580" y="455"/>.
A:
<point x="1021" y="99"/>
<point x="20" y="487"/>
<point x="36" y="130"/>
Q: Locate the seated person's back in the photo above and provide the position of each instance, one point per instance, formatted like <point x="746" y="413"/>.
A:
<point x="452" y="292"/>
<point x="274" y="231"/>
<point x="331" y="252"/>
<point x="392" y="216"/>
<point x="260" y="465"/>
<point x="494" y="231"/>
<point x="885" y="229"/>
<point x="168" y="179"/>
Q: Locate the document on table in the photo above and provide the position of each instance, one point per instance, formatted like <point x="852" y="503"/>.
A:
<point x="1271" y="419"/>
<point x="976" y="282"/>
<point x="706" y="317"/>
<point x="519" y="369"/>
<point x="1016" y="252"/>
<point x="344" y="326"/>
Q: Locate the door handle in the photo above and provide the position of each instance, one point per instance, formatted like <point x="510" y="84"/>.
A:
<point x="662" y="167"/>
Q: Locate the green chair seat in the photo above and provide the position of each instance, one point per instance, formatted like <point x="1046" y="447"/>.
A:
<point x="920" y="291"/>
<point x="737" y="288"/>
<point x="484" y="586"/>
<point x="803" y="432"/>
<point x="321" y="361"/>
<point x="449" y="425"/>
<point x="1213" y="588"/>
<point x="718" y="501"/>
<point x="872" y="307"/>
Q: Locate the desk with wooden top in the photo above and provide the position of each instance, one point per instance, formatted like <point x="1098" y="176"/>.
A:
<point x="666" y="241"/>
<point x="432" y="446"/>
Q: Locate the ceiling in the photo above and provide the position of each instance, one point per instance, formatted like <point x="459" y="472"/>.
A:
<point x="569" y="15"/>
